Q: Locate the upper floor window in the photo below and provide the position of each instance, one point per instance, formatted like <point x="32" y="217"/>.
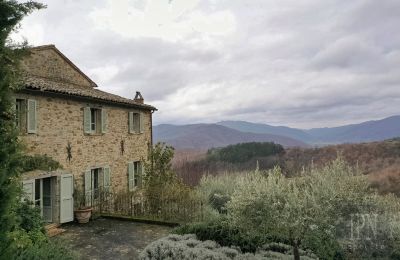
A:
<point x="94" y="120"/>
<point x="26" y="115"/>
<point x="135" y="122"/>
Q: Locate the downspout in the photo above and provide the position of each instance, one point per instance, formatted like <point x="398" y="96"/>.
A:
<point x="151" y="128"/>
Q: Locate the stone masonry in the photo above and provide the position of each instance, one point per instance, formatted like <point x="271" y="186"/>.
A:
<point x="60" y="121"/>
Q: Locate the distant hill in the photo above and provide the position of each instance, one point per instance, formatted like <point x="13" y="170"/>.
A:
<point x="369" y="131"/>
<point x="244" y="126"/>
<point x="377" y="130"/>
<point x="204" y="136"/>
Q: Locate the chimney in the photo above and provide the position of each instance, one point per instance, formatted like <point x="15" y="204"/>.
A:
<point x="138" y="98"/>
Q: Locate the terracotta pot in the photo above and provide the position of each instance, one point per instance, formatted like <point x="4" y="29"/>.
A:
<point x="83" y="215"/>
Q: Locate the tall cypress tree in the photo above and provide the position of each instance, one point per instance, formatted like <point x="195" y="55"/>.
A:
<point x="11" y="13"/>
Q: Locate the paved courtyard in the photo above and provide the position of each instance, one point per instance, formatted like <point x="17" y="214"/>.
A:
<point x="111" y="238"/>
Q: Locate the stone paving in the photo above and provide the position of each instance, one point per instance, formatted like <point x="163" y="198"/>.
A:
<point x="110" y="238"/>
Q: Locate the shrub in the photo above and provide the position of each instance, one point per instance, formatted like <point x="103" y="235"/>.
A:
<point x="188" y="247"/>
<point x="215" y="192"/>
<point x="225" y="234"/>
<point x="29" y="218"/>
<point x="39" y="162"/>
<point x="45" y="251"/>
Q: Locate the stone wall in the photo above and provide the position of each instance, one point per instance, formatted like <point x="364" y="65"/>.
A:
<point x="47" y="63"/>
<point x="60" y="121"/>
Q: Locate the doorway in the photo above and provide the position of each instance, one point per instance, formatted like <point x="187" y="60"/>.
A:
<point x="43" y="198"/>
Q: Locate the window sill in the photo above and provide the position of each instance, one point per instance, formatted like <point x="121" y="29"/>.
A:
<point x="136" y="133"/>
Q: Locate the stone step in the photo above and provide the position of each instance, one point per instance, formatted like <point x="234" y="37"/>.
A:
<point x="51" y="226"/>
<point x="54" y="232"/>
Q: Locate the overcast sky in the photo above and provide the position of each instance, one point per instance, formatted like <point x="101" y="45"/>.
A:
<point x="301" y="63"/>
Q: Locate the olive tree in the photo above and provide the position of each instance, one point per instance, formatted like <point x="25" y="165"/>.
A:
<point x="311" y="209"/>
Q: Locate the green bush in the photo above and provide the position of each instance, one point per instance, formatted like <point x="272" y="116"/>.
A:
<point x="38" y="162"/>
<point x="215" y="192"/>
<point x="45" y="251"/>
<point x="225" y="234"/>
<point x="29" y="218"/>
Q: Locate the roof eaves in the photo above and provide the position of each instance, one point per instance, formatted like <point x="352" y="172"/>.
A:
<point x="60" y="92"/>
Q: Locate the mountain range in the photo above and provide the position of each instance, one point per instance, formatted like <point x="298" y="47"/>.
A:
<point x="204" y="136"/>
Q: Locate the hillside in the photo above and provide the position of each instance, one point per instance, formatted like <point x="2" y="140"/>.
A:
<point x="369" y="131"/>
<point x="376" y="130"/>
<point x="244" y="126"/>
<point x="379" y="160"/>
<point x="204" y="136"/>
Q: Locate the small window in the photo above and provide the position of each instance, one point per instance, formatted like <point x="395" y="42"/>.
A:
<point x="135" y="122"/>
<point x="20" y="114"/>
<point x="25" y="115"/>
<point x="137" y="168"/>
<point x="95" y="120"/>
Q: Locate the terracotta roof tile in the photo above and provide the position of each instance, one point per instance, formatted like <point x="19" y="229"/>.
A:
<point x="46" y="85"/>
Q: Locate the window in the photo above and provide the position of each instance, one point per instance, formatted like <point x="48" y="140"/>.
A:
<point x="25" y="115"/>
<point x="135" y="170"/>
<point x="97" y="180"/>
<point x="94" y="120"/>
<point x="19" y="114"/>
<point x="135" y="122"/>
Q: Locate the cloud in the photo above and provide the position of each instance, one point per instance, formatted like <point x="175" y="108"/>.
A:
<point x="304" y="63"/>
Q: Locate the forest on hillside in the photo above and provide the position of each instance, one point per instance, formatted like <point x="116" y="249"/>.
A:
<point x="379" y="160"/>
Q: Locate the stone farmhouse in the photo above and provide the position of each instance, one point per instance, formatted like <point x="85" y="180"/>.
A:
<point x="99" y="138"/>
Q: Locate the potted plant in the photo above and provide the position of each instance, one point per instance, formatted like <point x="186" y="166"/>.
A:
<point x="82" y="211"/>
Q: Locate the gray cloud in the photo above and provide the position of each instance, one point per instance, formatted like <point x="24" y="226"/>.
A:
<point x="301" y="63"/>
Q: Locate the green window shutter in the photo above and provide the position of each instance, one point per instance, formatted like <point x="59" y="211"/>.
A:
<point x="29" y="190"/>
<point x="66" y="198"/>
<point x="131" y="179"/>
<point x="104" y="121"/>
<point x="106" y="178"/>
<point x="141" y="123"/>
<point x="88" y="188"/>
<point x="130" y="125"/>
<point x="31" y="116"/>
<point x="86" y="120"/>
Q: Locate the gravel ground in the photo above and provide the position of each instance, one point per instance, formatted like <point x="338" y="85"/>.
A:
<point x="110" y="238"/>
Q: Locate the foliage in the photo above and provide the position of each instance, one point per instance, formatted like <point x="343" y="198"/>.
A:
<point x="80" y="199"/>
<point x="29" y="218"/>
<point x="313" y="210"/>
<point x="11" y="13"/>
<point x="38" y="162"/>
<point x="161" y="185"/>
<point x="189" y="247"/>
<point x="158" y="167"/>
<point x="243" y="152"/>
<point x="216" y="191"/>
<point x="46" y="251"/>
<point x="225" y="234"/>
